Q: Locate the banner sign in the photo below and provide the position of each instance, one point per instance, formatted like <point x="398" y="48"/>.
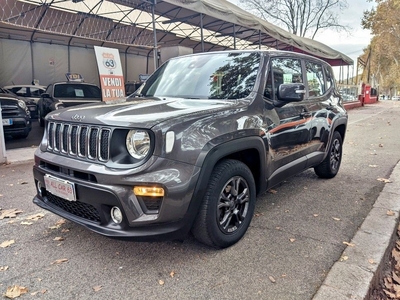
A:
<point x="110" y="72"/>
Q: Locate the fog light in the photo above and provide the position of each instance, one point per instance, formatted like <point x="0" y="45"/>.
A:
<point x="39" y="187"/>
<point x="116" y="215"/>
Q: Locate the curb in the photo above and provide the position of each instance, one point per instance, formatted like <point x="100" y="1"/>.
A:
<point x="351" y="105"/>
<point x="361" y="263"/>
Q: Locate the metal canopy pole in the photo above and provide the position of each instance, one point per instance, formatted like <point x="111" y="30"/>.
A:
<point x="201" y="32"/>
<point x="234" y="36"/>
<point x="155" y="54"/>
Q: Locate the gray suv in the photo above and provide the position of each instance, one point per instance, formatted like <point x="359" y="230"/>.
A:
<point x="204" y="136"/>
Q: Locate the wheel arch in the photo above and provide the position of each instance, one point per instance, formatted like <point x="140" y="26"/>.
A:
<point x="340" y="126"/>
<point x="250" y="150"/>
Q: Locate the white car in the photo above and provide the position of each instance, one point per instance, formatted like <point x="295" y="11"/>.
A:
<point x="396" y="98"/>
<point x="27" y="90"/>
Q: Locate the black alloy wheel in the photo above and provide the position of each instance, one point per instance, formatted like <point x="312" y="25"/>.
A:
<point x="228" y="205"/>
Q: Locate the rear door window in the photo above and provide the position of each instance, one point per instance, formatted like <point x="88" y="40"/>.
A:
<point x="315" y="79"/>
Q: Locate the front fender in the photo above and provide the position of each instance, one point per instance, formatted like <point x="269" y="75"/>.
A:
<point x="211" y="155"/>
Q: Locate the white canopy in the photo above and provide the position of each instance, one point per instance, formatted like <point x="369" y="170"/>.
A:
<point x="202" y="25"/>
<point x="270" y="35"/>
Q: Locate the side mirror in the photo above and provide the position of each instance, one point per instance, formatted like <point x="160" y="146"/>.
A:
<point x="291" y="92"/>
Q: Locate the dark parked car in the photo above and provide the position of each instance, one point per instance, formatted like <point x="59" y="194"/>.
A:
<point x="30" y="103"/>
<point x="206" y="134"/>
<point x="65" y="94"/>
<point x="15" y="116"/>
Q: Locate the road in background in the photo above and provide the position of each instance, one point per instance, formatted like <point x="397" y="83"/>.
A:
<point x="295" y="237"/>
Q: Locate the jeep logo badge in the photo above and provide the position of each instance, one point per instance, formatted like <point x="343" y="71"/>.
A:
<point x="78" y="118"/>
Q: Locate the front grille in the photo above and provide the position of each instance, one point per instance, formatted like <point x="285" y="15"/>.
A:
<point x="79" y="140"/>
<point x="9" y="111"/>
<point x="79" y="209"/>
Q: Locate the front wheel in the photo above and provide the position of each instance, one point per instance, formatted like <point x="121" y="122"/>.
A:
<point x="329" y="167"/>
<point x="228" y="205"/>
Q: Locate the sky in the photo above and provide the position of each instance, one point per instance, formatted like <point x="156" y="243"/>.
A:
<point x="350" y="44"/>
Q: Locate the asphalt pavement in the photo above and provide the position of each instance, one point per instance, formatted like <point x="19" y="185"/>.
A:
<point x="309" y="239"/>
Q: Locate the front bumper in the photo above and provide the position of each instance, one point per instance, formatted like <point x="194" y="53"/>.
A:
<point x="20" y="126"/>
<point x="100" y="189"/>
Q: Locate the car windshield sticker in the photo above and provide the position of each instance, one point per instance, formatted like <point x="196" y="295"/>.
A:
<point x="79" y="93"/>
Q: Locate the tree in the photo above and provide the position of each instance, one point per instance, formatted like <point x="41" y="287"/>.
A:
<point x="384" y="23"/>
<point x="302" y="17"/>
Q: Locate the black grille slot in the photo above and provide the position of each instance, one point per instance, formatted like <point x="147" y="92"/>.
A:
<point x="65" y="139"/>
<point x="104" y="145"/>
<point x="82" y="141"/>
<point x="73" y="142"/>
<point x="77" y="140"/>
<point x="57" y="141"/>
<point x="93" y="142"/>
<point x="51" y="134"/>
<point x="79" y="209"/>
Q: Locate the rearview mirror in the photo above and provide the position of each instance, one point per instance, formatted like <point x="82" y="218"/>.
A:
<point x="291" y="92"/>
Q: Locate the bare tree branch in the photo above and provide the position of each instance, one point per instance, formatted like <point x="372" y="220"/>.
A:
<point x="301" y="17"/>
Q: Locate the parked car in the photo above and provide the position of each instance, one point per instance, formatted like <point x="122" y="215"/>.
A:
<point x="205" y="135"/>
<point x="15" y="116"/>
<point x="30" y="103"/>
<point x="27" y="90"/>
<point x="395" y="98"/>
<point x="65" y="94"/>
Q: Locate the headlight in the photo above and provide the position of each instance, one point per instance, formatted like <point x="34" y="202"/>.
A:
<point x="138" y="143"/>
<point x="22" y="104"/>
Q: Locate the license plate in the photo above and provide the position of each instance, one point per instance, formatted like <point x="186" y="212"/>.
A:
<point x="7" y="122"/>
<point x="32" y="108"/>
<point x="60" y="187"/>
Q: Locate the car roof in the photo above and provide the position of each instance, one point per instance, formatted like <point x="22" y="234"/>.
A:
<point x="25" y="85"/>
<point x="269" y="52"/>
<point x="73" y="82"/>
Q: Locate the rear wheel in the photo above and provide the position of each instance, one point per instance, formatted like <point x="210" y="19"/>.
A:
<point x="329" y="167"/>
<point x="228" y="205"/>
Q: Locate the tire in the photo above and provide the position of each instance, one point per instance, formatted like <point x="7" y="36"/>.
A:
<point x="329" y="167"/>
<point x="40" y="117"/>
<point x="223" y="219"/>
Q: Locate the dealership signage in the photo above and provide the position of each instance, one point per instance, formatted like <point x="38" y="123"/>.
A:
<point x="110" y="72"/>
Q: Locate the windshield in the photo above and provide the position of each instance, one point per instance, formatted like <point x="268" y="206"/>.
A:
<point x="210" y="76"/>
<point x="76" y="90"/>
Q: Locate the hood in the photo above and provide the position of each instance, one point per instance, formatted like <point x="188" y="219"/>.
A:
<point x="139" y="112"/>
